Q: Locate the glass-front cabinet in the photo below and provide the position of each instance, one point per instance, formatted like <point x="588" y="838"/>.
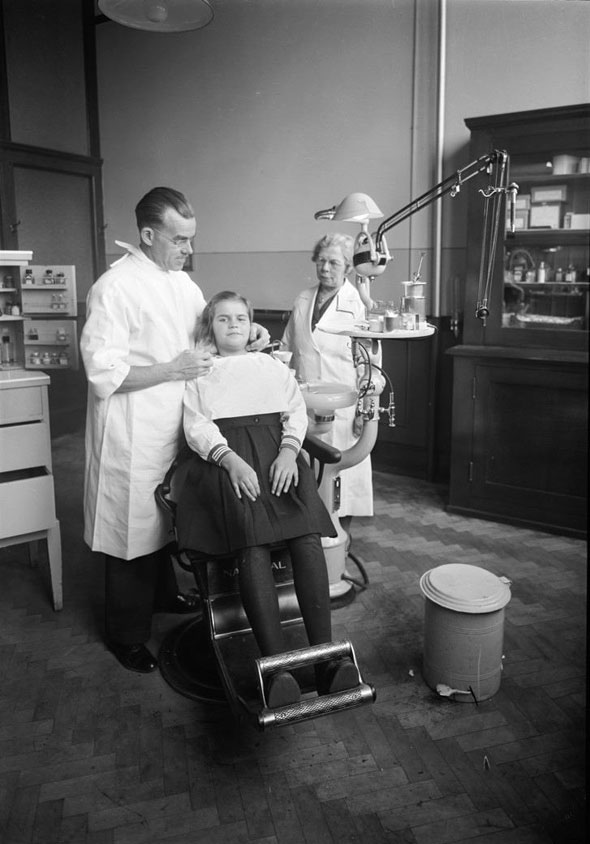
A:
<point x="540" y="293"/>
<point x="38" y="309"/>
<point x="546" y="260"/>
<point x="519" y="449"/>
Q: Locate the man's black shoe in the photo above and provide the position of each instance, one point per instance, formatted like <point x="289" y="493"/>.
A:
<point x="134" y="657"/>
<point x="183" y="602"/>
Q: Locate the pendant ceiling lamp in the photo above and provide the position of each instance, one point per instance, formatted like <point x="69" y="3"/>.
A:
<point x="158" y="15"/>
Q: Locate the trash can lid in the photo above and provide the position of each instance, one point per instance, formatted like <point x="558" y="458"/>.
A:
<point x="465" y="588"/>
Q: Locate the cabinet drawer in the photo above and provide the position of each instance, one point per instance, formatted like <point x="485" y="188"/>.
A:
<point x="26" y="504"/>
<point x="23" y="404"/>
<point x="24" y="447"/>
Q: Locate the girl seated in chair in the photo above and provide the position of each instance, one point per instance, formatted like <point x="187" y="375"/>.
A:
<point x="247" y="420"/>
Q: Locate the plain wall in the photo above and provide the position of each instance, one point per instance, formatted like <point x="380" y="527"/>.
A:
<point x="280" y="108"/>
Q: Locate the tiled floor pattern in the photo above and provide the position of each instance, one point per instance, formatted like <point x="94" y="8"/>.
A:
<point x="92" y="754"/>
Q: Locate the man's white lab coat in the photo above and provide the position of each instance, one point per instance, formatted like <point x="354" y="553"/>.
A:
<point x="137" y="315"/>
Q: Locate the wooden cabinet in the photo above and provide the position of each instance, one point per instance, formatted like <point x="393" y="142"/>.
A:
<point x="519" y="419"/>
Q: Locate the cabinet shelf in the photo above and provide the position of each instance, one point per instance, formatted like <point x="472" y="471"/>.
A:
<point x="531" y="178"/>
<point x="539" y="285"/>
<point x="552" y="237"/>
<point x="48" y="287"/>
<point x="47" y="312"/>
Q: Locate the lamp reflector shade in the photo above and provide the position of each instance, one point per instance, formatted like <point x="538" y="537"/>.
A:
<point x="357" y="208"/>
<point x="158" y="15"/>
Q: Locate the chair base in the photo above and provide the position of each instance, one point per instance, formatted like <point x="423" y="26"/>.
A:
<point x="193" y="666"/>
<point x="187" y="663"/>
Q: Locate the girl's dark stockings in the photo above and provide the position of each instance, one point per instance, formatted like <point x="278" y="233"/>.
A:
<point x="260" y="600"/>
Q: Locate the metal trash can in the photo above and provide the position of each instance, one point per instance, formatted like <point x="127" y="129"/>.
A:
<point x="463" y="630"/>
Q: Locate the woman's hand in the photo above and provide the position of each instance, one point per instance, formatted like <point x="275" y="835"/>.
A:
<point x="242" y="476"/>
<point x="283" y="470"/>
<point x="358" y="424"/>
<point x="259" y="338"/>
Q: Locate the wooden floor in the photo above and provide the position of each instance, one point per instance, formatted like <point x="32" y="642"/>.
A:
<point x="93" y="754"/>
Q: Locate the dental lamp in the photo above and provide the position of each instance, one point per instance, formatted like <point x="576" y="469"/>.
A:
<point x="158" y="15"/>
<point x="371" y="254"/>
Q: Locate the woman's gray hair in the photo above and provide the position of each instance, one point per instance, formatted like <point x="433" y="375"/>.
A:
<point x="344" y="242"/>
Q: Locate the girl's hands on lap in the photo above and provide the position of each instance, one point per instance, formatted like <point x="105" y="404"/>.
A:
<point x="242" y="476"/>
<point x="283" y="471"/>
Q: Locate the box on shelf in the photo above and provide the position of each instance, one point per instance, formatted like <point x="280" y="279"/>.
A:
<point x="576" y="221"/>
<point x="565" y="164"/>
<point x="549" y="193"/>
<point x="547" y="216"/>
<point x="15" y="257"/>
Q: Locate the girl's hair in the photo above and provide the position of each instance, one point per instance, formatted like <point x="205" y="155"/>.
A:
<point x="205" y="328"/>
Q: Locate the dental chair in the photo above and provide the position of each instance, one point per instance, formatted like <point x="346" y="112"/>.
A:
<point x="214" y="657"/>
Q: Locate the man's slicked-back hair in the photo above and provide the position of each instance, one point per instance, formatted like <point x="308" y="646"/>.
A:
<point x="151" y="208"/>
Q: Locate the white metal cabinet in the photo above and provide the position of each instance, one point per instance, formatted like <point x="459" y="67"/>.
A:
<point x="27" y="497"/>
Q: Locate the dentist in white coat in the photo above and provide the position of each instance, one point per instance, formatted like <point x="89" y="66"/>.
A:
<point x="321" y="356"/>
<point x="138" y="348"/>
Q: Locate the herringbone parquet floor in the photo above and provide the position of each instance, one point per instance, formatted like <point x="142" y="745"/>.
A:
<point x="92" y="754"/>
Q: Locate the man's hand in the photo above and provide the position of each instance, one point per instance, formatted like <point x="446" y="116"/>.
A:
<point x="242" y="476"/>
<point x="188" y="365"/>
<point x="259" y="338"/>
<point x="192" y="363"/>
<point x="283" y="470"/>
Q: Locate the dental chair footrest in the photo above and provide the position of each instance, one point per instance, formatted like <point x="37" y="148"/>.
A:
<point x="313" y="707"/>
<point x="290" y="660"/>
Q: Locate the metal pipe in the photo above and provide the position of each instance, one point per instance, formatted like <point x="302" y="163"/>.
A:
<point x="440" y="139"/>
<point x="414" y="133"/>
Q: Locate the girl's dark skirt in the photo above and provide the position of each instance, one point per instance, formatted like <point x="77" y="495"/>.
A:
<point x="210" y="517"/>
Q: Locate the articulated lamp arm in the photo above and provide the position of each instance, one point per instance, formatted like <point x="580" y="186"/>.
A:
<point x="371" y="254"/>
<point x="452" y="185"/>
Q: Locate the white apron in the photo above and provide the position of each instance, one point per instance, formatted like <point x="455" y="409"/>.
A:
<point x="137" y="315"/>
<point x="319" y="356"/>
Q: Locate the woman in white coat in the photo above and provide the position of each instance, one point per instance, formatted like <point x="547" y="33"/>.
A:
<point x="321" y="356"/>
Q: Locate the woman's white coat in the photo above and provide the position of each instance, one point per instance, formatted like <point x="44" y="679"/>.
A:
<point x="322" y="356"/>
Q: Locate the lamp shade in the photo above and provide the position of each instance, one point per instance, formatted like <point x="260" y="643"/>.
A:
<point x="158" y="15"/>
<point x="357" y="208"/>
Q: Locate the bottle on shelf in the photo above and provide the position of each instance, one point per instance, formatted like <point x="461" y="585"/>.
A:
<point x="570" y="273"/>
<point x="7" y="351"/>
<point x="29" y="277"/>
<point x="542" y="273"/>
